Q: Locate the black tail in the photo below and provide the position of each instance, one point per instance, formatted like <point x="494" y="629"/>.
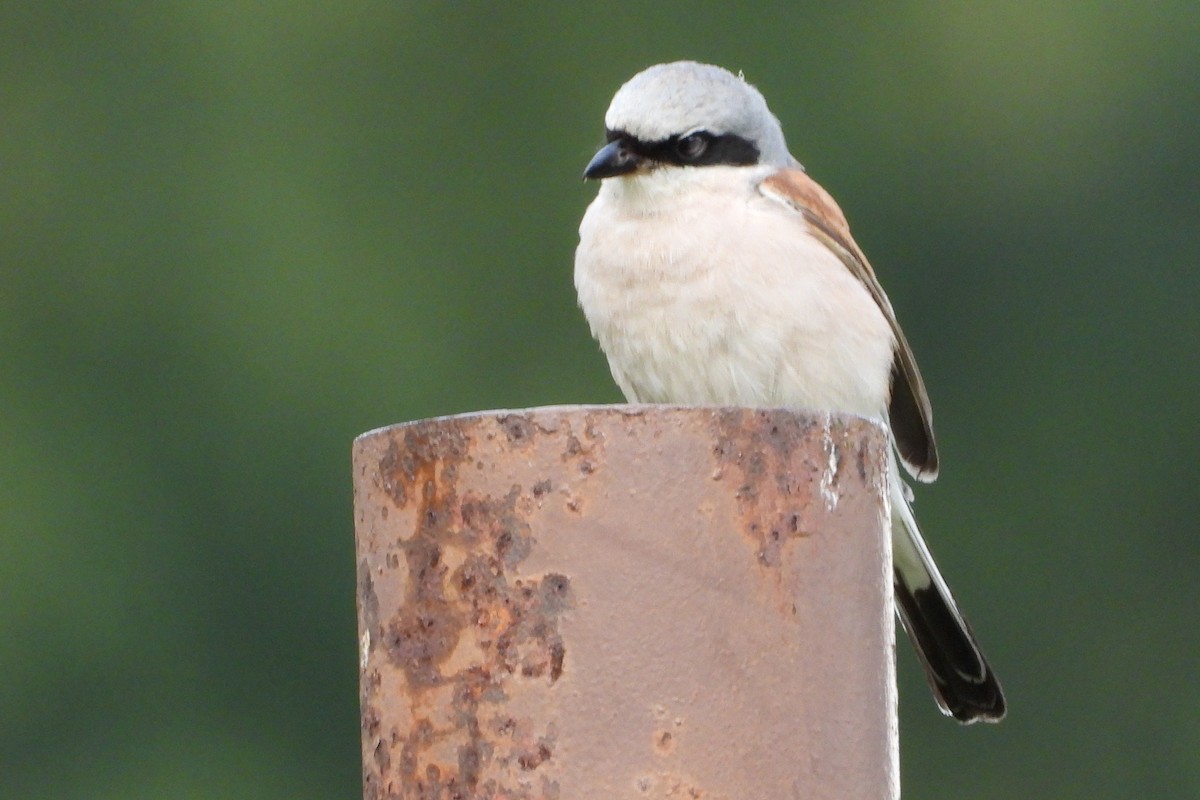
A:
<point x="962" y="681"/>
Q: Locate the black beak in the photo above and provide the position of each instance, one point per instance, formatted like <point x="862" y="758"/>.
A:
<point x="615" y="158"/>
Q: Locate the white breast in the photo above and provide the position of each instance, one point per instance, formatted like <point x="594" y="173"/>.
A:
<point x="703" y="291"/>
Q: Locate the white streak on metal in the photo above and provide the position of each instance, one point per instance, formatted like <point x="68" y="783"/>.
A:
<point x="828" y="492"/>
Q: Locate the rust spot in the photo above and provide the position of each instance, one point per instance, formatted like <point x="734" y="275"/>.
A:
<point x="762" y="447"/>
<point x="383" y="756"/>
<point x="518" y="428"/>
<point x="460" y="597"/>
<point x="423" y="446"/>
<point x="368" y="601"/>
<point x="420" y="736"/>
<point x="471" y="757"/>
<point x="556" y="592"/>
<point x="372" y="790"/>
<point x="557" y="654"/>
<point x="534" y="759"/>
<point x="389" y="467"/>
<point x="497" y="519"/>
<point x="573" y="447"/>
<point x="867" y="454"/>
<point x="370" y="721"/>
<point x="779" y="458"/>
<point x="584" y="455"/>
<point x="664" y="743"/>
<point x="417" y="640"/>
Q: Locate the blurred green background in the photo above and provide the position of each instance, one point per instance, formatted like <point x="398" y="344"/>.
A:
<point x="233" y="236"/>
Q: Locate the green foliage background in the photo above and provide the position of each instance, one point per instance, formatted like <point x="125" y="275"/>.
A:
<point x="235" y="235"/>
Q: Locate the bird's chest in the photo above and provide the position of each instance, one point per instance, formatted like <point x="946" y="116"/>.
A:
<point x="729" y="306"/>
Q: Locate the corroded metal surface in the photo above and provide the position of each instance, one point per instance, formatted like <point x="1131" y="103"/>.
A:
<point x="625" y="602"/>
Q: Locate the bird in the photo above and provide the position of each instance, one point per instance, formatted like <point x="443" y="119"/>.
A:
<point x="713" y="270"/>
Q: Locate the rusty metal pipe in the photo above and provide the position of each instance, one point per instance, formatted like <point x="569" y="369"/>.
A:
<point x="626" y="602"/>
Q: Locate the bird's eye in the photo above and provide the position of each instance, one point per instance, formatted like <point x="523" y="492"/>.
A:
<point x="691" y="147"/>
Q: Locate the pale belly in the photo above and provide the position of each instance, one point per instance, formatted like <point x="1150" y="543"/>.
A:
<point x="751" y="311"/>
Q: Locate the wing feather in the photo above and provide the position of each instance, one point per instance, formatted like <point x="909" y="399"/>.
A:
<point x="909" y="413"/>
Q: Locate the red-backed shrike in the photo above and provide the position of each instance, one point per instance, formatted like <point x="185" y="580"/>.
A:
<point x="714" y="271"/>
